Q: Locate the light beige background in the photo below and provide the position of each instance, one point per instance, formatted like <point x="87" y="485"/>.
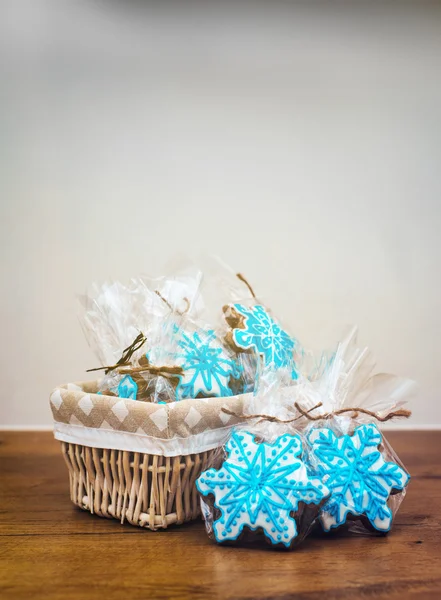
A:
<point x="302" y="145"/>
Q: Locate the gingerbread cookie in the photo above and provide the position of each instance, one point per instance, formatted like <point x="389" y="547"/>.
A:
<point x="359" y="478"/>
<point x="254" y="330"/>
<point x="207" y="367"/>
<point x="260" y="487"/>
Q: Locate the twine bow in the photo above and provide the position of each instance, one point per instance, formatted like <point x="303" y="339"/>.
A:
<point x="126" y="355"/>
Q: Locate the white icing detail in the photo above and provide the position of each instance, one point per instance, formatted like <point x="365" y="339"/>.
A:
<point x="260" y="486"/>
<point x="358" y="475"/>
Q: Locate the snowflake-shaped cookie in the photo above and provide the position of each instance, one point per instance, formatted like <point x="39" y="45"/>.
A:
<point x="207" y="368"/>
<point x="260" y="486"/>
<point x="254" y="329"/>
<point x="359" y="478"/>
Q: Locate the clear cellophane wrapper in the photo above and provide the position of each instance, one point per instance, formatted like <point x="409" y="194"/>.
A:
<point x="259" y="488"/>
<point x="369" y="502"/>
<point x="347" y="447"/>
<point x="193" y="335"/>
<point x="113" y="315"/>
<point x="179" y="294"/>
<point x="209" y="368"/>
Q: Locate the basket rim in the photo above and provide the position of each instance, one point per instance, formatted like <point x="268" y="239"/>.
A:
<point x="190" y="426"/>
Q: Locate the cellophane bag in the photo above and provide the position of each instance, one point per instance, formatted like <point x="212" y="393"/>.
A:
<point x="192" y="336"/>
<point x="208" y="367"/>
<point x="120" y="323"/>
<point x="250" y="326"/>
<point x="345" y="445"/>
<point x="153" y="369"/>
<point x="260" y="487"/>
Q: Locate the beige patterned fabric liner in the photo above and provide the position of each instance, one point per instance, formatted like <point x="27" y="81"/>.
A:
<point x="83" y="416"/>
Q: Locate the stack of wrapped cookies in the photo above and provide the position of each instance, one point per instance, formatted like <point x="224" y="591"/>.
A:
<point x="306" y="451"/>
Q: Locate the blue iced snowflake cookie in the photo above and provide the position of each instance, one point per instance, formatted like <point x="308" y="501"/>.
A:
<point x="252" y="328"/>
<point x="359" y="478"/>
<point x="207" y="368"/>
<point x="259" y="486"/>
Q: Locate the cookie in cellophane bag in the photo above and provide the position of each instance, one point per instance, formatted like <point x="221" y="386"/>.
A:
<point x="252" y="328"/>
<point x="192" y="345"/>
<point x="211" y="367"/>
<point x="366" y="479"/>
<point x="120" y="322"/>
<point x="260" y="487"/>
<point x="345" y="446"/>
<point x="208" y="368"/>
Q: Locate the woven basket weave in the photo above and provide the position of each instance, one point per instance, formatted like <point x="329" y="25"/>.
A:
<point x="148" y="489"/>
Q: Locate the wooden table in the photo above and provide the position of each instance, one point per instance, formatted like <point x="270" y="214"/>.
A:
<point x="50" y="549"/>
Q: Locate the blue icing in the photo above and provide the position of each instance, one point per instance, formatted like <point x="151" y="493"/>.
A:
<point x="206" y="365"/>
<point x="359" y="478"/>
<point x="264" y="335"/>
<point x="127" y="388"/>
<point x="258" y="486"/>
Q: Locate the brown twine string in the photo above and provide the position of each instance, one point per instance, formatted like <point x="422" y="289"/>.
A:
<point x="402" y="412"/>
<point x="163" y="371"/>
<point x="126" y="355"/>
<point x="180" y="313"/>
<point x="146" y="377"/>
<point x="270" y="418"/>
<point x="245" y="281"/>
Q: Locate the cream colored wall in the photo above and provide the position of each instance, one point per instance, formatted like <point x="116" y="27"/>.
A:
<point x="302" y="146"/>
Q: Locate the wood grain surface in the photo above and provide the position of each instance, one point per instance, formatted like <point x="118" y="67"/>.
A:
<point x="50" y="549"/>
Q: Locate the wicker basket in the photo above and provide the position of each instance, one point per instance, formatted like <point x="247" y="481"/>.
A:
<point x="146" y="490"/>
<point x="110" y="475"/>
